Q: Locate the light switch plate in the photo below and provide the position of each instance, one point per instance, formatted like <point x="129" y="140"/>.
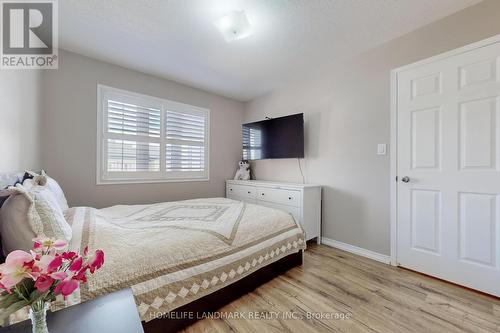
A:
<point x="382" y="149"/>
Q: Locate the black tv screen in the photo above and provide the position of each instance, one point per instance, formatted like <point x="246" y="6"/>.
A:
<point x="274" y="138"/>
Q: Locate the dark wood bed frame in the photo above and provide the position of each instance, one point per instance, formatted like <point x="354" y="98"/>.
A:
<point x="177" y="319"/>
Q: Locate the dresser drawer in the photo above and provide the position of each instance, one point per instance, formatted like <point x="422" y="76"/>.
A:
<point x="280" y="196"/>
<point x="237" y="198"/>
<point x="241" y="191"/>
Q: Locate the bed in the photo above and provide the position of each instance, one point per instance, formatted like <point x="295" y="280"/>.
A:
<point x="192" y="255"/>
<point x="173" y="253"/>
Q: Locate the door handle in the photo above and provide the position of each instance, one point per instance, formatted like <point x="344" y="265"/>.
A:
<point x="405" y="179"/>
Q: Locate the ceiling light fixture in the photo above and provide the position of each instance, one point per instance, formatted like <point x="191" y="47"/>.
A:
<point x="234" y="26"/>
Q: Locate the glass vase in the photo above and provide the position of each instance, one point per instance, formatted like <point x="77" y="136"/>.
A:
<point x="38" y="316"/>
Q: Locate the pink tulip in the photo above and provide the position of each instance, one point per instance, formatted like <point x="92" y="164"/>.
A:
<point x="5" y="288"/>
<point x="80" y="276"/>
<point x="1" y="285"/>
<point x="76" y="265"/>
<point x="55" y="264"/>
<point x="45" y="244"/>
<point x="34" y="270"/>
<point x="43" y="283"/>
<point x="17" y="257"/>
<point x="48" y="267"/>
<point x="66" y="287"/>
<point x="60" y="244"/>
<point x="43" y="262"/>
<point x="96" y="261"/>
<point x="69" y="255"/>
<point x="18" y="265"/>
<point x="58" y="275"/>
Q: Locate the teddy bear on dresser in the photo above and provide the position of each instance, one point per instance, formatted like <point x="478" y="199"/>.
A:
<point x="243" y="172"/>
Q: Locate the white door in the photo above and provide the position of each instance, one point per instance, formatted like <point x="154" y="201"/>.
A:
<point x="449" y="168"/>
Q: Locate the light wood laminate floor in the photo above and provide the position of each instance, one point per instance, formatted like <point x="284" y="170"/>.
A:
<point x="374" y="297"/>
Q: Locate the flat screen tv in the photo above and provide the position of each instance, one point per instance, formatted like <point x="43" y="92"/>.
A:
<point x="274" y="138"/>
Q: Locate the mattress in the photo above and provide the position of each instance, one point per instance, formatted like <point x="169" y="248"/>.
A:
<point x="173" y="253"/>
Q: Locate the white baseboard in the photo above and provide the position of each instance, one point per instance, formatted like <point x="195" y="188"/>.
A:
<point x="356" y="250"/>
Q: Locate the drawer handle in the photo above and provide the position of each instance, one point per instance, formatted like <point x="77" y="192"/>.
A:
<point x="230" y="189"/>
<point x="262" y="193"/>
<point x="289" y="198"/>
<point x="248" y="192"/>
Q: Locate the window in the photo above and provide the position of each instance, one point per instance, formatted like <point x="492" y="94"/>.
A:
<point x="147" y="139"/>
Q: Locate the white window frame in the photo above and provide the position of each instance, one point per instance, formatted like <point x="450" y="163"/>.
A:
<point x="103" y="177"/>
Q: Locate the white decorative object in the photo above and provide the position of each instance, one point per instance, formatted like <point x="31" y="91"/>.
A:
<point x="52" y="184"/>
<point x="303" y="201"/>
<point x="243" y="172"/>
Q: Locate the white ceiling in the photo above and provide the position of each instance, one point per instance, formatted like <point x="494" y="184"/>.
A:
<point x="176" y="39"/>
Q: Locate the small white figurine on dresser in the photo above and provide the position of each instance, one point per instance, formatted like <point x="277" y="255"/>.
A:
<point x="243" y="172"/>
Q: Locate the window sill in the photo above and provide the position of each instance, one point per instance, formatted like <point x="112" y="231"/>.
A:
<point x="149" y="181"/>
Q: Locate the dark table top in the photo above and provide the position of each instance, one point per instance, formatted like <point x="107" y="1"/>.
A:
<point x="115" y="312"/>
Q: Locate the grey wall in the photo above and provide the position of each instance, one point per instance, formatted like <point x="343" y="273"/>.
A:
<point x="347" y="112"/>
<point x="20" y="103"/>
<point x="69" y="132"/>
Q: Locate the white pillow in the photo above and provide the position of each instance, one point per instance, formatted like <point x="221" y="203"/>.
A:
<point x="48" y="213"/>
<point x="58" y="193"/>
<point x="51" y="183"/>
<point x="30" y="212"/>
<point x="16" y="231"/>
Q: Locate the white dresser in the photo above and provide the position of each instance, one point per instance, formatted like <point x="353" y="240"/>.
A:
<point x="303" y="201"/>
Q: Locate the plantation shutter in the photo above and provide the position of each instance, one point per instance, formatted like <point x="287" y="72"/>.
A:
<point x="124" y="118"/>
<point x="186" y="142"/>
<point x="133" y="137"/>
<point x="144" y="138"/>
